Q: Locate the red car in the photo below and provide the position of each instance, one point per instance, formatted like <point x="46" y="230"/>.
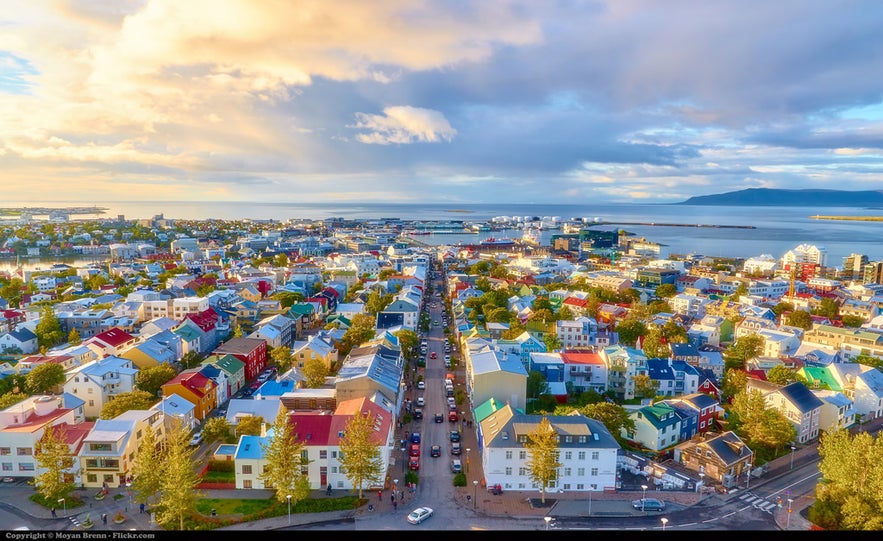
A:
<point x="414" y="463"/>
<point x="414" y="450"/>
<point x="433" y="355"/>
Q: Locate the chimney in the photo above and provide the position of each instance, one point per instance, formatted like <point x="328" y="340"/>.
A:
<point x="263" y="430"/>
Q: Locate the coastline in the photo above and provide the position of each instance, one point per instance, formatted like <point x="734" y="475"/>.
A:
<point x="848" y="218"/>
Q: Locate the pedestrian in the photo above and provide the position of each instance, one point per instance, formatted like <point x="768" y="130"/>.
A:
<point x="104" y="518"/>
<point x="53" y="512"/>
<point x="401" y="494"/>
<point x="392" y="497"/>
<point x="380" y="495"/>
<point x="395" y="506"/>
<point x="141" y="508"/>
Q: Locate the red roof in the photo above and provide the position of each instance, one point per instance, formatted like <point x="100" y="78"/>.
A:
<point x="311" y="428"/>
<point x="573" y="357"/>
<point x="114" y="337"/>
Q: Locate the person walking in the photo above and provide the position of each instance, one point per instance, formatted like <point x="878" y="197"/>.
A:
<point x="141" y="508"/>
<point x="104" y="518"/>
<point x="380" y="495"/>
<point x="53" y="512"/>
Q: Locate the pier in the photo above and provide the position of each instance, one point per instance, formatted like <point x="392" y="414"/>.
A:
<point x="660" y="224"/>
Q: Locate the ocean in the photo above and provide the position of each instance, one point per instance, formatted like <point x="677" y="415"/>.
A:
<point x="777" y="229"/>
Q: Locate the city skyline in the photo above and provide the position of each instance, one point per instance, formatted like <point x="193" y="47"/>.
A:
<point x="399" y="101"/>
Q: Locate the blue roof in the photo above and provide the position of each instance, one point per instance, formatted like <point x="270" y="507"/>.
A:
<point x="252" y="447"/>
<point x="271" y="387"/>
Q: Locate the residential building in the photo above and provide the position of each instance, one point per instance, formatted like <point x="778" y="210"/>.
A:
<point x="109" y="451"/>
<point x="98" y="382"/>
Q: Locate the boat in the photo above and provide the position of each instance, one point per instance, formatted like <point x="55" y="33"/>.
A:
<point x="492" y="241"/>
<point x="531" y="236"/>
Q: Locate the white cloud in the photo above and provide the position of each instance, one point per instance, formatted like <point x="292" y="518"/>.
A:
<point x="404" y="124"/>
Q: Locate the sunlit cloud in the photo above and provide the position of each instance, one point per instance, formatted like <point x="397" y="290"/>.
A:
<point x="402" y="125"/>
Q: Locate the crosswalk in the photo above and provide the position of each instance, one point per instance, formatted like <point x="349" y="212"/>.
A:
<point x="760" y="503"/>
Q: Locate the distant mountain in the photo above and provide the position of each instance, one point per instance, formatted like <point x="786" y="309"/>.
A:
<point x="766" y="197"/>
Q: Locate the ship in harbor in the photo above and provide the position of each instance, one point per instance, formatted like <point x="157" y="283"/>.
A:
<point x="493" y="241"/>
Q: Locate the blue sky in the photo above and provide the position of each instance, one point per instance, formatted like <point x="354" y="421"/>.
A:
<point x="446" y="101"/>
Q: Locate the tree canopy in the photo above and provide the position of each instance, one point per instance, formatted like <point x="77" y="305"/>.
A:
<point x="152" y="378"/>
<point x="284" y="462"/>
<point x="360" y="457"/>
<point x="135" y="400"/>
<point x="542" y="455"/>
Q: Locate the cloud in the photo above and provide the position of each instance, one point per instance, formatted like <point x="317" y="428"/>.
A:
<point x="403" y="125"/>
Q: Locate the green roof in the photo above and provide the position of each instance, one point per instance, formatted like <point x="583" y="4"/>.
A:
<point x="187" y="333"/>
<point x="301" y="309"/>
<point x="822" y="375"/>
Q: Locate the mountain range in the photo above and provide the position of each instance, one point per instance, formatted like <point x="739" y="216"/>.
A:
<point x="767" y="197"/>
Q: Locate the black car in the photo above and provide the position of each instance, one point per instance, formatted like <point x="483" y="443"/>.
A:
<point x="455" y="435"/>
<point x="439" y="418"/>
<point x="418" y="413"/>
<point x="435" y="450"/>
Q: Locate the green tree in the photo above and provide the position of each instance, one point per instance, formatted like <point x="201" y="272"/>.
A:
<point x="136" y="400"/>
<point x="281" y="260"/>
<point x="73" y="338"/>
<point x="553" y="343"/>
<point x="542" y="455"/>
<point x="216" y="429"/>
<point x="179" y="480"/>
<point x="745" y="347"/>
<point x="55" y="463"/>
<point x="362" y="328"/>
<point x="44" y="377"/>
<point x="645" y="386"/>
<point x="782" y="308"/>
<point x="191" y="359"/>
<point x="674" y="333"/>
<point x="782" y="375"/>
<point x="11" y="398"/>
<point x="758" y="424"/>
<point x="516" y="329"/>
<point x="734" y="382"/>
<point x="852" y="322"/>
<point x="250" y="426"/>
<point x="799" y="318"/>
<point x="851" y="469"/>
<point x="828" y="308"/>
<point x="281" y="357"/>
<point x="285" y="464"/>
<point x="741" y="290"/>
<point x="564" y="313"/>
<point x="666" y="291"/>
<point x="315" y="371"/>
<point x="630" y="330"/>
<point x="377" y="302"/>
<point x="237" y="331"/>
<point x="48" y="329"/>
<point x="536" y="385"/>
<point x="408" y="342"/>
<point x="360" y="457"/>
<point x="288" y="298"/>
<point x="147" y="469"/>
<point x="615" y="418"/>
<point x="498" y="315"/>
<point x="151" y="379"/>
<point x="12" y="291"/>
<point x="654" y="345"/>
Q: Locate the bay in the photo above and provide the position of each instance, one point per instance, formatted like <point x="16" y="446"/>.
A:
<point x="777" y="229"/>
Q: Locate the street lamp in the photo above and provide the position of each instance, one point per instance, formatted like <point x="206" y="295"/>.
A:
<point x="792" y="456"/>
<point x="467" y="461"/>
<point x="395" y="484"/>
<point x="664" y="522"/>
<point x="63" y="503"/>
<point x="702" y="481"/>
<point x="289" y="508"/>
<point x="748" y="481"/>
<point x="474" y="493"/>
<point x="643" y="496"/>
<point x="788" y="522"/>
<point x="548" y="520"/>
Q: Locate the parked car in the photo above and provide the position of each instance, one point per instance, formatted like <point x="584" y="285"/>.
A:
<point x="435" y="451"/>
<point x="414" y="463"/>
<point x="421" y="385"/>
<point x="196" y="440"/>
<point x="649" y="504"/>
<point x="456" y="465"/>
<point x="419" y="515"/>
<point x="455" y="435"/>
<point x="452" y="416"/>
<point x="415" y="437"/>
<point x="455" y="448"/>
<point x="420" y="401"/>
<point x="418" y="413"/>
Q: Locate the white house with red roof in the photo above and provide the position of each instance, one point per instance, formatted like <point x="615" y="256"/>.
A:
<point x="23" y="424"/>
<point x="111" y="342"/>
<point x="585" y="371"/>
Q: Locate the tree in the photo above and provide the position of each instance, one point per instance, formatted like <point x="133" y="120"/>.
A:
<point x="758" y="424"/>
<point x="654" y="345"/>
<point x="665" y="291"/>
<point x="851" y="468"/>
<point x="237" y="331"/>
<point x="674" y="333"/>
<point x="284" y="462"/>
<point x="48" y="329"/>
<point x="735" y="380"/>
<point x="645" y="386"/>
<point x="516" y="329"/>
<point x="151" y="379"/>
<point x="147" y="470"/>
<point x="799" y="318"/>
<point x="408" y="342"/>
<point x="362" y="328"/>
<point x="12" y="291"/>
<point x="615" y="418"/>
<point x="136" y="400"/>
<point x="250" y="425"/>
<point x="828" y="308"/>
<point x="55" y="464"/>
<point x="11" y="398"/>
<point x="281" y="357"/>
<point x="360" y="457"/>
<point x="179" y="480"/>
<point x="377" y="302"/>
<point x="553" y="343"/>
<point x="288" y="298"/>
<point x="315" y="371"/>
<point x="73" y="338"/>
<point x="44" y="377"/>
<point x="630" y="330"/>
<point x="542" y="452"/>
<point x="191" y="359"/>
<point x="745" y="347"/>
<point x="782" y="375"/>
<point x="216" y="429"/>
<point x="536" y="384"/>
<point x="852" y="322"/>
<point x="741" y="290"/>
<point x="281" y="260"/>
<point x="782" y="308"/>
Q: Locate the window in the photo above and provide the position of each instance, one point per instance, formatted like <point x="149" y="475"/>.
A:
<point x="138" y="435"/>
<point x="580" y="472"/>
<point x="508" y="455"/>
<point x="596" y="455"/>
<point x="522" y="455"/>
<point x="23" y="451"/>
<point x="246" y="483"/>
<point x="100" y="447"/>
<point x="568" y="455"/>
<point x="91" y="403"/>
<point x="5" y="451"/>
<point x="522" y="471"/>
<point x="581" y="455"/>
<point x="246" y="469"/>
<point x="323" y="454"/>
<point x="508" y="471"/>
<point x="594" y="472"/>
<point x="333" y="454"/>
<point x="7" y="466"/>
<point x="567" y="472"/>
<point x="26" y="466"/>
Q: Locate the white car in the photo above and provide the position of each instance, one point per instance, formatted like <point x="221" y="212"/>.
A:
<point x="196" y="440"/>
<point x="419" y="515"/>
<point x="421" y="385"/>
<point x="420" y="401"/>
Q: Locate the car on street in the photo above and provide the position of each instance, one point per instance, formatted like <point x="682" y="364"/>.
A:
<point x="455" y="435"/>
<point x="447" y="358"/>
<point x="649" y="504"/>
<point x="435" y="451"/>
<point x="439" y="418"/>
<point x="414" y="463"/>
<point x="420" y="401"/>
<point x="433" y="355"/>
<point x="414" y="450"/>
<point x="415" y="437"/>
<point x="418" y="413"/>
<point x="196" y="440"/>
<point x="419" y="515"/>
<point x="455" y="448"/>
<point x="456" y="465"/>
<point x="421" y="385"/>
<point x="452" y="415"/>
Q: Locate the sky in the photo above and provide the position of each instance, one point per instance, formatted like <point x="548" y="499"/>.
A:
<point x="396" y="101"/>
